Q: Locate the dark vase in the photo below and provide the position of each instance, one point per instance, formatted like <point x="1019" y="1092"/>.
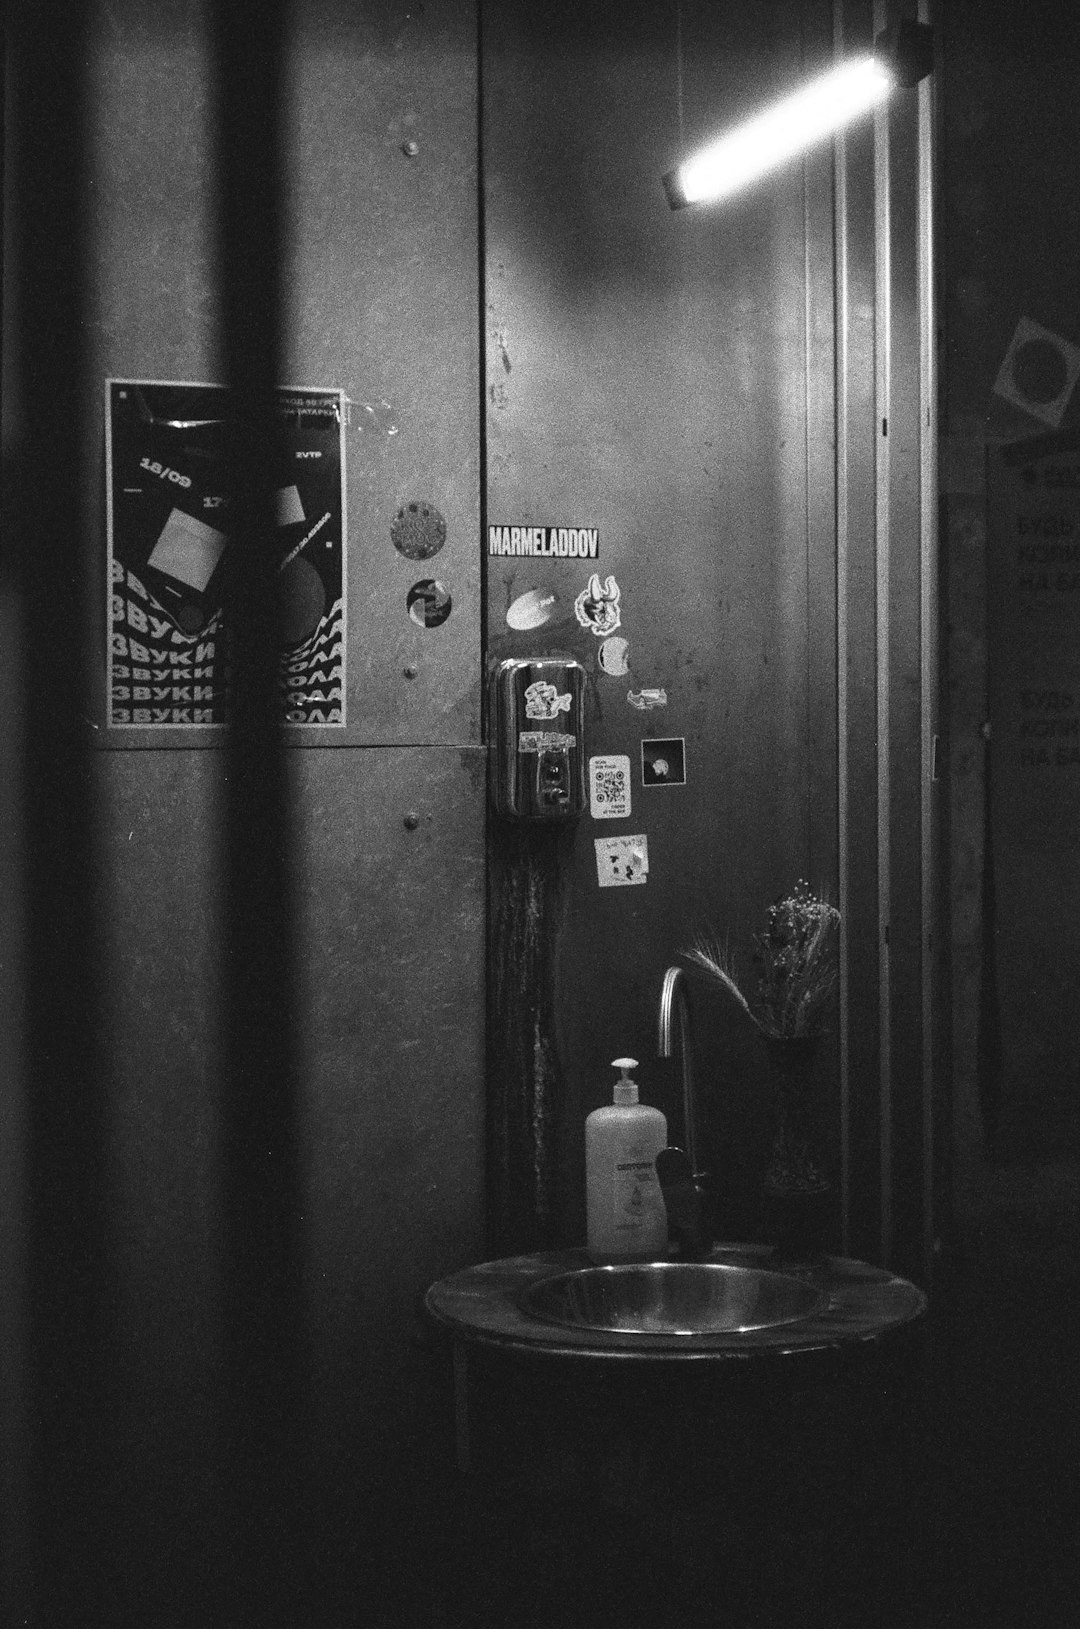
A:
<point x="799" y="1200"/>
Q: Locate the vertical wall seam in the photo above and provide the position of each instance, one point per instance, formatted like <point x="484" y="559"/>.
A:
<point x="808" y="732"/>
<point x="679" y="75"/>
<point x="807" y="519"/>
<point x="840" y="409"/>
<point x="882" y="482"/>
<point x="487" y="1127"/>
<point x="481" y="297"/>
<point x="928" y="430"/>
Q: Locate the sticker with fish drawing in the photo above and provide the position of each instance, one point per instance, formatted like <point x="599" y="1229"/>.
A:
<point x="542" y="700"/>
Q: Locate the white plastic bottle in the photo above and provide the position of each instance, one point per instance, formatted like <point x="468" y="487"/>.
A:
<point x="626" y="1219"/>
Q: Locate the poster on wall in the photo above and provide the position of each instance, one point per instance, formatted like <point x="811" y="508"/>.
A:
<point x="169" y="555"/>
<point x="1033" y="588"/>
<point x="1033" y="603"/>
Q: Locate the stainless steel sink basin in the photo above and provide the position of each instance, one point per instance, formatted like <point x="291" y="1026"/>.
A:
<point x="671" y="1298"/>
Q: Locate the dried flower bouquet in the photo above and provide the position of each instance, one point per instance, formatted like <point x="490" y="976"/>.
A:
<point x="796" y="961"/>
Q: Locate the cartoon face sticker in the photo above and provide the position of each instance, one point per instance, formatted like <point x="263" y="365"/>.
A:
<point x="543" y="701"/>
<point x="597" y="608"/>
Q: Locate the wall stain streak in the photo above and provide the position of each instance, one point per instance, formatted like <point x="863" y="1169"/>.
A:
<point x="525" y="1079"/>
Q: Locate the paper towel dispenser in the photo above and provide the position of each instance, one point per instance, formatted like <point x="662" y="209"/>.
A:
<point x="537" y="718"/>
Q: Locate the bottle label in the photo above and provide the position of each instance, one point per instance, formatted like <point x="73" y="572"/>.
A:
<point x="637" y="1197"/>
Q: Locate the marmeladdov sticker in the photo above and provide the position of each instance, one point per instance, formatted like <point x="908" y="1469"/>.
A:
<point x="545" y="542"/>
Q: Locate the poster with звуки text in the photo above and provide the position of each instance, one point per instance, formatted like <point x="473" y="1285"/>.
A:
<point x="169" y="555"/>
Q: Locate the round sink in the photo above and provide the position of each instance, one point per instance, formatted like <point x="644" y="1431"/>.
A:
<point x="671" y="1298"/>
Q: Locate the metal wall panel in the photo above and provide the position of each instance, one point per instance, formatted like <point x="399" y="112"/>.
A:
<point x="903" y="1216"/>
<point x="381" y="283"/>
<point x="390" y="972"/>
<point x="390" y="823"/>
<point x="384" y="298"/>
<point x="740" y="400"/>
<point x="856" y="440"/>
<point x="887" y="565"/>
<point x="666" y="379"/>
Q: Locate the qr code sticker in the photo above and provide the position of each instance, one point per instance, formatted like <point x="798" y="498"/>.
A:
<point x="609" y="788"/>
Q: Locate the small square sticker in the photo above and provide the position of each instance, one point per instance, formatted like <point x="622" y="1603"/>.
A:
<point x="663" y="762"/>
<point x="609" y="787"/>
<point x="621" y="862"/>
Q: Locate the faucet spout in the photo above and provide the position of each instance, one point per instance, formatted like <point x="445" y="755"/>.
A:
<point x="673" y="998"/>
<point x="681" y="1182"/>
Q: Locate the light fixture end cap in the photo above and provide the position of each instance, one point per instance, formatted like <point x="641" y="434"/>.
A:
<point x="907" y="49"/>
<point x="676" y="197"/>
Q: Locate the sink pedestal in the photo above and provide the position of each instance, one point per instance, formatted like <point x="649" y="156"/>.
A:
<point x="858" y="1313"/>
<point x="683" y="1484"/>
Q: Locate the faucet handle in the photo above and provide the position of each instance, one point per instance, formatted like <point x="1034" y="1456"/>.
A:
<point x="683" y="1189"/>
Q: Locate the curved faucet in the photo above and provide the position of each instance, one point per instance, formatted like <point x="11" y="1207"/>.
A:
<point x="682" y="1184"/>
<point x="673" y="995"/>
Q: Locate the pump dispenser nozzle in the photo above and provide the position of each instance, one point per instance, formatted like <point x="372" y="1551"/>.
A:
<point x="626" y="1090"/>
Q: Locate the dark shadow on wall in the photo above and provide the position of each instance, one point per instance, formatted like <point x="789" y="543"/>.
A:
<point x="262" y="1569"/>
<point x="61" y="1523"/>
<point x="80" y="1546"/>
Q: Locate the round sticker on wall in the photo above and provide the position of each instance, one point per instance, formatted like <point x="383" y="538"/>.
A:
<point x="614" y="656"/>
<point x="418" y="530"/>
<point x="533" y="609"/>
<point x="428" y="603"/>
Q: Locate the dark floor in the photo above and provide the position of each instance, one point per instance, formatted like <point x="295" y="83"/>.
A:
<point x="934" y="1486"/>
<point x="986" y="1535"/>
<point x="941" y="1491"/>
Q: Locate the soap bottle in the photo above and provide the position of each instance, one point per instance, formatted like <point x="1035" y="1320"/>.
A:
<point x="626" y="1219"/>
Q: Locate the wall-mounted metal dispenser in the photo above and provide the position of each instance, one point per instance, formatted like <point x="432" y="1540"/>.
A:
<point x="538" y="750"/>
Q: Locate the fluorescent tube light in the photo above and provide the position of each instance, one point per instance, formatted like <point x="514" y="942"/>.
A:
<point x="750" y="150"/>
